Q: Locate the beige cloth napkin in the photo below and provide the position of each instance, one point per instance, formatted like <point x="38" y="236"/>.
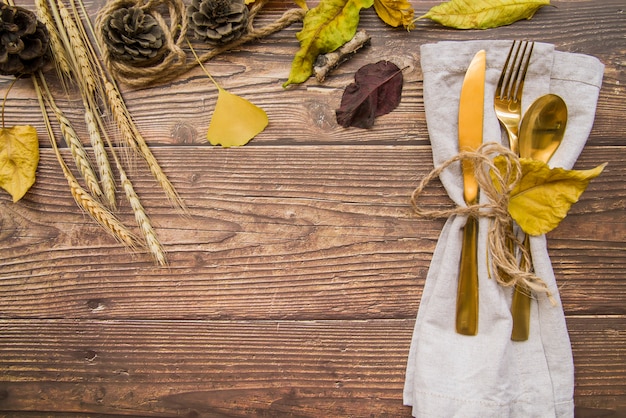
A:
<point x="488" y="375"/>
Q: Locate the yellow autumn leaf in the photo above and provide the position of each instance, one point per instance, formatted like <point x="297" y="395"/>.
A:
<point x="301" y="3"/>
<point x="19" y="157"/>
<point x="395" y="13"/>
<point x="325" y="28"/>
<point x="235" y="120"/>
<point x="483" y="14"/>
<point x="543" y="196"/>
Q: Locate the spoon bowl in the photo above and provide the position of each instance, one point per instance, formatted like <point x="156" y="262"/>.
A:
<point x="542" y="128"/>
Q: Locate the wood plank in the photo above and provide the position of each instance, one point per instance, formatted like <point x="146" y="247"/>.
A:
<point x="278" y="232"/>
<point x="243" y="368"/>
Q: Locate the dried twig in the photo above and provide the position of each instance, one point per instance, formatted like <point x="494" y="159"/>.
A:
<point x="327" y="62"/>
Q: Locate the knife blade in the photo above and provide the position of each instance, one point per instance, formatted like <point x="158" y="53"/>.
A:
<point x="471" y="106"/>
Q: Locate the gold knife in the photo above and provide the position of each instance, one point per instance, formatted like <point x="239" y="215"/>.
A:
<point x="470" y="139"/>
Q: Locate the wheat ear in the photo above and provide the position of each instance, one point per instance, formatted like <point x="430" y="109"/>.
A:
<point x="135" y="140"/>
<point x="85" y="72"/>
<point x="153" y="244"/>
<point x="73" y="141"/>
<point x="145" y="226"/>
<point x="102" y="160"/>
<point x="56" y="44"/>
<point x="83" y="199"/>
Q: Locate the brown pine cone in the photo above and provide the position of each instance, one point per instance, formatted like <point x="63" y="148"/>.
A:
<point x="24" y="41"/>
<point x="134" y="36"/>
<point x="218" y="21"/>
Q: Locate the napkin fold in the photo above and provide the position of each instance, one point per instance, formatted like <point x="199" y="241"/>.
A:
<point x="488" y="375"/>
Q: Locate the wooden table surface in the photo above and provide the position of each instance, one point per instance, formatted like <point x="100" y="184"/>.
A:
<point x="294" y="281"/>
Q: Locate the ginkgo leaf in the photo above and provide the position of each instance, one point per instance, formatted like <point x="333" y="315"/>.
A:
<point x="543" y="196"/>
<point x="235" y="120"/>
<point x="19" y="157"/>
<point x="325" y="28"/>
<point x="376" y="91"/>
<point x="483" y="14"/>
<point x="395" y="13"/>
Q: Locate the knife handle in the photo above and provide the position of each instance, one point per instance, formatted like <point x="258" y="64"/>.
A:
<point x="520" y="308"/>
<point x="467" y="293"/>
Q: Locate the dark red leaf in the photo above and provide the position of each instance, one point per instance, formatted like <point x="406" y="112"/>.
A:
<point x="376" y="91"/>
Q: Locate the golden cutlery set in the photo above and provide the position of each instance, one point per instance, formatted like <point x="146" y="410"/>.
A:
<point x="536" y="135"/>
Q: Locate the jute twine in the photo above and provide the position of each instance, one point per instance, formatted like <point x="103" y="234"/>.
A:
<point x="175" y="62"/>
<point x="503" y="264"/>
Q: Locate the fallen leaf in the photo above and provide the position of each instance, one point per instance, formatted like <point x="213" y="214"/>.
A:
<point x="19" y="157"/>
<point x="376" y="91"/>
<point x="543" y="196"/>
<point x="325" y="28"/>
<point x="301" y="4"/>
<point x="483" y="14"/>
<point x="235" y="120"/>
<point x="395" y="13"/>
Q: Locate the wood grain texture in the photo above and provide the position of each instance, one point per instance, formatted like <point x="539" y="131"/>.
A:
<point x="295" y="279"/>
<point x="246" y="368"/>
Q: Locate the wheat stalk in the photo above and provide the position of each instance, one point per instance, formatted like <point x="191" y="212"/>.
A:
<point x="82" y="64"/>
<point x="73" y="141"/>
<point x="83" y="199"/>
<point x="135" y="140"/>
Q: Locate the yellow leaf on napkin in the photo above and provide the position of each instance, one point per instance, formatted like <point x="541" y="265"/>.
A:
<point x="543" y="196"/>
<point x="235" y="120"/>
<point x="19" y="157"/>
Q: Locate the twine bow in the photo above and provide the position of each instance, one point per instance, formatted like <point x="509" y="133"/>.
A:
<point x="503" y="264"/>
<point x="174" y="62"/>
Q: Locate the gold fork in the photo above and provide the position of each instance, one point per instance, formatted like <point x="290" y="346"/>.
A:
<point x="508" y="98"/>
<point x="508" y="108"/>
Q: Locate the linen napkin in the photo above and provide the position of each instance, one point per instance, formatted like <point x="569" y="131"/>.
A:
<point x="488" y="375"/>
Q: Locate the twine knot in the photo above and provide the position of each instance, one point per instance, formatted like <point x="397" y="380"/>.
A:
<point x="496" y="185"/>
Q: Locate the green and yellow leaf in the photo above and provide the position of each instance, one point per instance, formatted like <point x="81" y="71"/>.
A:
<point x="326" y="27"/>
<point x="395" y="13"/>
<point x="19" y="157"/>
<point x="235" y="120"/>
<point x="483" y="14"/>
<point x="543" y="196"/>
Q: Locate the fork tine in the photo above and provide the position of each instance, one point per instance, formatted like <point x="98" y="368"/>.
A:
<point x="505" y="76"/>
<point x="511" y="83"/>
<point x="520" y="86"/>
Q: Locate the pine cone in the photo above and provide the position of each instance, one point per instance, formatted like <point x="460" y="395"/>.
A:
<point x="134" y="36"/>
<point x="24" y="41"/>
<point x="218" y="21"/>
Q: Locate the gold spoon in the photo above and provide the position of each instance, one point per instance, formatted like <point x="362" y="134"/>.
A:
<point x="541" y="133"/>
